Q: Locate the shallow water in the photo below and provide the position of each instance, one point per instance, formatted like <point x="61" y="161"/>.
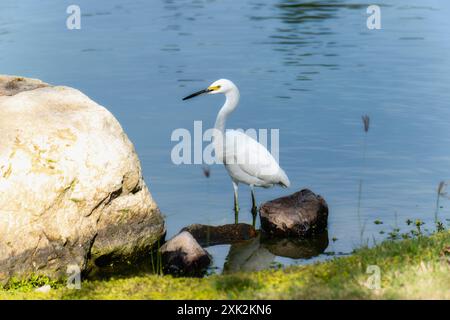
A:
<point x="310" y="69"/>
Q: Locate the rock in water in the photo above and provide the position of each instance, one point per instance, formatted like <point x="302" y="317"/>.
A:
<point x="71" y="187"/>
<point x="299" y="215"/>
<point x="183" y="256"/>
<point x="225" y="234"/>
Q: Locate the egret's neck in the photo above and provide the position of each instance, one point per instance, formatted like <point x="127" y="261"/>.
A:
<point x="231" y="102"/>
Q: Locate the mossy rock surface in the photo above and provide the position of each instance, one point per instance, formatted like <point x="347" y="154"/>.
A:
<point x="71" y="185"/>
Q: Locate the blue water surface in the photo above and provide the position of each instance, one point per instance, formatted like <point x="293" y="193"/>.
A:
<point x="308" y="68"/>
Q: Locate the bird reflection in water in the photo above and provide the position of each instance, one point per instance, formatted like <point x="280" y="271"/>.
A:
<point x="260" y="252"/>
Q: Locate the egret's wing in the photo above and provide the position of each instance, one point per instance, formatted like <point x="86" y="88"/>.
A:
<point x="252" y="158"/>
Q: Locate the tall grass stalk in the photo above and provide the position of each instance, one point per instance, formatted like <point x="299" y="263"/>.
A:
<point x="366" y="124"/>
<point x="440" y="191"/>
<point x="157" y="266"/>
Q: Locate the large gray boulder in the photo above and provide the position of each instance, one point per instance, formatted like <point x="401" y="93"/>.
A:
<point x="71" y="186"/>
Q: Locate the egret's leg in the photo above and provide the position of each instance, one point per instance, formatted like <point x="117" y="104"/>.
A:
<point x="254" y="207"/>
<point x="236" y="204"/>
<point x="253" y="197"/>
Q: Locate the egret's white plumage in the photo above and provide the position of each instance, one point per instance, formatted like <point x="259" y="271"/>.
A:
<point x="245" y="159"/>
<point x="249" y="162"/>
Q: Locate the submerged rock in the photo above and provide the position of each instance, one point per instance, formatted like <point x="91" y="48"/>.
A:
<point x="183" y="256"/>
<point x="226" y="234"/>
<point x="248" y="256"/>
<point x="71" y="186"/>
<point x="297" y="248"/>
<point x="298" y="215"/>
<point x="260" y="252"/>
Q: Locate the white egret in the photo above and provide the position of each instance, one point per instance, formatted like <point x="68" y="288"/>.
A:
<point x="245" y="159"/>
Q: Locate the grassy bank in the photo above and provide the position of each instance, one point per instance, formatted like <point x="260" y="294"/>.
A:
<point x="410" y="269"/>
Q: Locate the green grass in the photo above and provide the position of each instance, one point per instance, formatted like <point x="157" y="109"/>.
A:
<point x="410" y="269"/>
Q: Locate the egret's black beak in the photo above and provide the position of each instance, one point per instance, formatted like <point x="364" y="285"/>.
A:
<point x="198" y="93"/>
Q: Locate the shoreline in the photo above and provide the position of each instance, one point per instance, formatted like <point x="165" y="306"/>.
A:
<point x="409" y="269"/>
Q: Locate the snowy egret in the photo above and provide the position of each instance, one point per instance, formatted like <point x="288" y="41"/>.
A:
<point x="245" y="159"/>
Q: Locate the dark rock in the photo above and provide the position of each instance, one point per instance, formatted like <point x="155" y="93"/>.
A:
<point x="183" y="256"/>
<point x="299" y="215"/>
<point x="225" y="234"/>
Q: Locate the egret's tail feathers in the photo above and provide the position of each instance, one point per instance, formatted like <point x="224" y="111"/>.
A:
<point x="281" y="184"/>
<point x="284" y="180"/>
